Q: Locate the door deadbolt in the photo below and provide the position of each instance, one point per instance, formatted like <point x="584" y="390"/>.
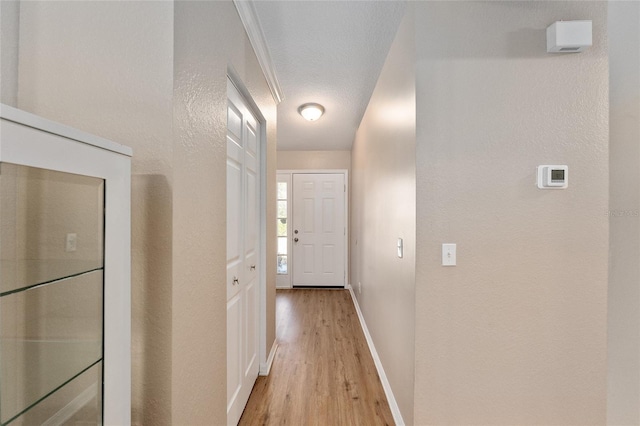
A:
<point x="295" y="231"/>
<point x="252" y="267"/>
<point x="235" y="281"/>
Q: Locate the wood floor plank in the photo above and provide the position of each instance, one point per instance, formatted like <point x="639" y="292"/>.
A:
<point x="323" y="373"/>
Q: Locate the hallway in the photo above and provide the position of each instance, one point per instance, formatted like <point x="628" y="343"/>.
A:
<point x="439" y="114"/>
<point x="323" y="373"/>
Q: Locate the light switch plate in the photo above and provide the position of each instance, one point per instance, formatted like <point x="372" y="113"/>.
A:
<point x="70" y="242"/>
<point x="448" y="255"/>
<point x="400" y="248"/>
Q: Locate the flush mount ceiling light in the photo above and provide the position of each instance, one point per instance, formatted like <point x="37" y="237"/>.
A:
<point x="311" y="111"/>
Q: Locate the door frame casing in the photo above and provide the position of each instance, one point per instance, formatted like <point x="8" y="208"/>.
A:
<point x="292" y="172"/>
<point x="263" y="355"/>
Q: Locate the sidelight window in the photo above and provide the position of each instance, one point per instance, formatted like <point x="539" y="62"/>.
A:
<point x="282" y="229"/>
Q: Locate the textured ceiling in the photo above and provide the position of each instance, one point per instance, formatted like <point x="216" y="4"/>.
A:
<point x="329" y="52"/>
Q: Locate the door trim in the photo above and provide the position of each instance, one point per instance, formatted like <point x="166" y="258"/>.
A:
<point x="235" y="79"/>
<point x="344" y="172"/>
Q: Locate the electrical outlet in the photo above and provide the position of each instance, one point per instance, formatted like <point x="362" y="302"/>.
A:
<point x="71" y="242"/>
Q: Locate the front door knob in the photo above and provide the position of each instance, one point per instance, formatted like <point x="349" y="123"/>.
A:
<point x="295" y="240"/>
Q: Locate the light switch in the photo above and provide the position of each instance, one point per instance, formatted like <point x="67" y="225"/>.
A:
<point x="448" y="255"/>
<point x="71" y="242"/>
<point x="400" y="248"/>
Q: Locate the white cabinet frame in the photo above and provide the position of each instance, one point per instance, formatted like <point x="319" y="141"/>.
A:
<point x="29" y="140"/>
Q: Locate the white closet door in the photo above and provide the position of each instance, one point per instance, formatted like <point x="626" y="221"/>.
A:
<point x="318" y="230"/>
<point x="243" y="238"/>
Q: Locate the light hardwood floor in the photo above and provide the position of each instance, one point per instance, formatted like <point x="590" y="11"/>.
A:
<point x="323" y="373"/>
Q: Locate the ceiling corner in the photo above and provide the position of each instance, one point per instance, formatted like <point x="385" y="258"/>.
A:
<point x="249" y="18"/>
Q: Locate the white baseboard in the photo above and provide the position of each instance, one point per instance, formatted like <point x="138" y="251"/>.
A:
<point x="393" y="405"/>
<point x="76" y="404"/>
<point x="266" y="367"/>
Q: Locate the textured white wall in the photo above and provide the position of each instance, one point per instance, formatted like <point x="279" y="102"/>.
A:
<point x="383" y="210"/>
<point x="301" y="160"/>
<point x="516" y="333"/>
<point x="624" y="203"/>
<point x="152" y="75"/>
<point x="208" y="38"/>
<point x="9" y="34"/>
<point x="107" y="68"/>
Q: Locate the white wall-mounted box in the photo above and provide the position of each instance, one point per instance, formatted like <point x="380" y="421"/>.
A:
<point x="569" y="36"/>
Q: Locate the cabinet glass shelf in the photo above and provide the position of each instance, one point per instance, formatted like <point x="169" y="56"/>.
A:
<point x="23" y="274"/>
<point x="80" y="398"/>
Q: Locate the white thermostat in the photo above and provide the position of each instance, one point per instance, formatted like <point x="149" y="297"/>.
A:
<point x="553" y="177"/>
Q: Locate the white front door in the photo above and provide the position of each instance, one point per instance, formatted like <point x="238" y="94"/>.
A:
<point x="243" y="242"/>
<point x="319" y="230"/>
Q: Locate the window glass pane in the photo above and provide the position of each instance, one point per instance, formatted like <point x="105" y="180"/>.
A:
<point x="282" y="190"/>
<point x="282" y="245"/>
<point x="282" y="209"/>
<point x="282" y="265"/>
<point x="282" y="227"/>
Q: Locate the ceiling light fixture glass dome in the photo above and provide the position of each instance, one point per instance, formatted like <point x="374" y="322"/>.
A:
<point x="311" y="111"/>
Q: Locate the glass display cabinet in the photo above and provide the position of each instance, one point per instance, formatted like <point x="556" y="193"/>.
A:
<point x="65" y="327"/>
